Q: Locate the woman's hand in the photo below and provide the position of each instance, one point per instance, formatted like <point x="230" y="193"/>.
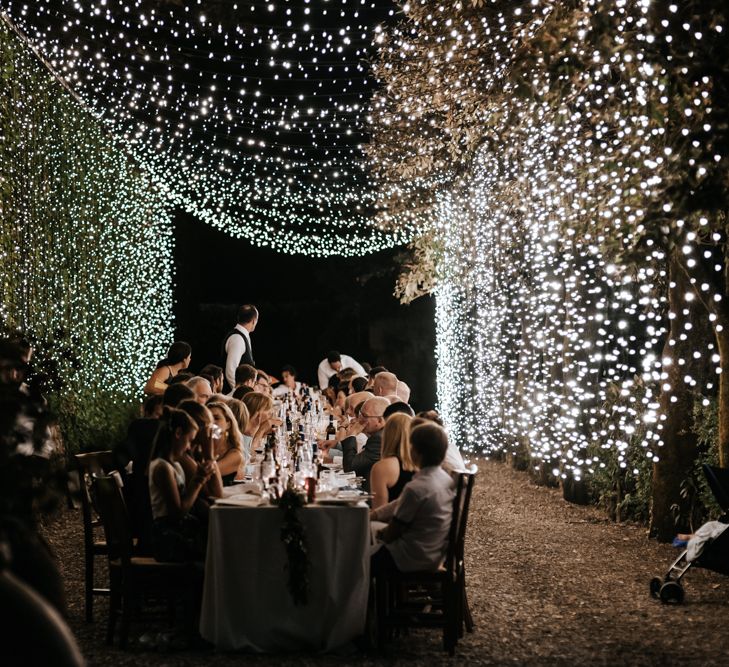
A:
<point x="205" y="471"/>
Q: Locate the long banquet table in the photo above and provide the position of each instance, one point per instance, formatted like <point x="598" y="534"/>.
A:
<point x="246" y="604"/>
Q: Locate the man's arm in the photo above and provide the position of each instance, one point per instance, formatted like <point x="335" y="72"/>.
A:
<point x="361" y="463"/>
<point x="354" y="364"/>
<point x="384" y="512"/>
<point x="392" y="531"/>
<point x="235" y="347"/>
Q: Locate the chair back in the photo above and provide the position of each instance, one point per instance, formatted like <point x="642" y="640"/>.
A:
<point x="91" y="463"/>
<point x="107" y="490"/>
<point x="457" y="534"/>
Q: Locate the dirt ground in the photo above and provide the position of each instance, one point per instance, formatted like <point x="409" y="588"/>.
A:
<point x="550" y="584"/>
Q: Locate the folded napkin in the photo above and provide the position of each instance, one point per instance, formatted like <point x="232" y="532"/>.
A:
<point x="242" y="500"/>
<point x="253" y="488"/>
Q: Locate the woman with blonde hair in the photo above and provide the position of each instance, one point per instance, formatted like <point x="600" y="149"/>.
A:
<point x="240" y="412"/>
<point x="395" y="467"/>
<point x="228" y="446"/>
<point x="260" y="420"/>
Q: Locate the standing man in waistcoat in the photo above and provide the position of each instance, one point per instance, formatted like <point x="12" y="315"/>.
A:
<point x="237" y="343"/>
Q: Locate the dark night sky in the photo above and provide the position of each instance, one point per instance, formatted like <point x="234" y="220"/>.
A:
<point x="307" y="306"/>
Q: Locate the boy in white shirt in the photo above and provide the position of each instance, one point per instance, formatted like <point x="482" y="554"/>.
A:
<point x="416" y="537"/>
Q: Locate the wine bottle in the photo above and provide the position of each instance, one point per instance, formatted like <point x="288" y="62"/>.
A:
<point x="331" y="429"/>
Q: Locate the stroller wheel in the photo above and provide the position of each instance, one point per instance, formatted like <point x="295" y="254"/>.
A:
<point x="656" y="584"/>
<point x="671" y="593"/>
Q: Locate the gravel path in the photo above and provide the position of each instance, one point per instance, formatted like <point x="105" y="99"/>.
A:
<point x="550" y="584"/>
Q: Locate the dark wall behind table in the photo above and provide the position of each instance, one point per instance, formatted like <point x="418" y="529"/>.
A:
<point x="307" y="306"/>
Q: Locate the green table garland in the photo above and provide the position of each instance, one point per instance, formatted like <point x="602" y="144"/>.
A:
<point x="297" y="548"/>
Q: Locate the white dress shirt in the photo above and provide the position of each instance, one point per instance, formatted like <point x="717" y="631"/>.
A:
<point x="326" y="371"/>
<point x="283" y="389"/>
<point x="425" y="506"/>
<point x="235" y="348"/>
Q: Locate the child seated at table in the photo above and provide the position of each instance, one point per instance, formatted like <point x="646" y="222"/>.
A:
<point x="175" y="482"/>
<point x="415" y="538"/>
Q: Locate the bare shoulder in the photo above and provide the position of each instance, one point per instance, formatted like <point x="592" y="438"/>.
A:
<point x="387" y="466"/>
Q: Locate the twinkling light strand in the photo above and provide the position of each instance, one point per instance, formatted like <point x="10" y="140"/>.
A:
<point x="85" y="250"/>
<point x="250" y="116"/>
<point x="568" y="162"/>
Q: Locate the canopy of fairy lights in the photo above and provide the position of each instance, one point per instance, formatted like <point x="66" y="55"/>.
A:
<point x="251" y="116"/>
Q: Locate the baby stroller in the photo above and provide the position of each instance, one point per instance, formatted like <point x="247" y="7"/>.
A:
<point x="715" y="555"/>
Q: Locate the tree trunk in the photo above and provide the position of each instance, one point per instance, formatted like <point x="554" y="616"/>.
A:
<point x="722" y="341"/>
<point x="679" y="449"/>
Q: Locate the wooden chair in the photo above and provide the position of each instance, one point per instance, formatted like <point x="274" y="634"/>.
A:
<point x="137" y="579"/>
<point x="88" y="465"/>
<point x="431" y="599"/>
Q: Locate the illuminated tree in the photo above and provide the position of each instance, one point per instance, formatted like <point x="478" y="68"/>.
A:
<point x="587" y="129"/>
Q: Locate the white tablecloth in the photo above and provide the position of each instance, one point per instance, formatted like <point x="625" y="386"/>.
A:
<point x="246" y="604"/>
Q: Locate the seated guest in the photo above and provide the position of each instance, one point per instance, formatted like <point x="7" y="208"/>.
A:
<point x="180" y="378"/>
<point x="333" y="363"/>
<point x="202" y="448"/>
<point x="216" y="374"/>
<point x="263" y="383"/>
<point x="419" y="520"/>
<point x="240" y="392"/>
<point x="371" y="423"/>
<point x="140" y="434"/>
<point x="395" y="467"/>
<point x="260" y="421"/>
<point x="348" y="426"/>
<point x="403" y="391"/>
<point x="398" y="406"/>
<point x="385" y="384"/>
<point x="392" y="398"/>
<point x="453" y="460"/>
<point x="240" y="412"/>
<point x="178" y="358"/>
<point x="131" y="459"/>
<point x="138" y="448"/>
<point x="210" y="380"/>
<point x="228" y="449"/>
<point x="174" y="486"/>
<point x="152" y="407"/>
<point x="201" y="387"/>
<point x="288" y="382"/>
<point x="357" y="384"/>
<point x="372" y="374"/>
<point x="331" y="393"/>
<point x="431" y="416"/>
<point x="345" y="376"/>
<point x="245" y="376"/>
<point x="176" y="393"/>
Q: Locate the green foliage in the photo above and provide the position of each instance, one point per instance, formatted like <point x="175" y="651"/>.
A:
<point x="85" y="252"/>
<point x="702" y="505"/>
<point x="620" y="479"/>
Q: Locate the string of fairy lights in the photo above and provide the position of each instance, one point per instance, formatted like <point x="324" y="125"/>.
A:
<point x="85" y="251"/>
<point x="535" y="141"/>
<point x="251" y="116"/>
<point x="553" y="152"/>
